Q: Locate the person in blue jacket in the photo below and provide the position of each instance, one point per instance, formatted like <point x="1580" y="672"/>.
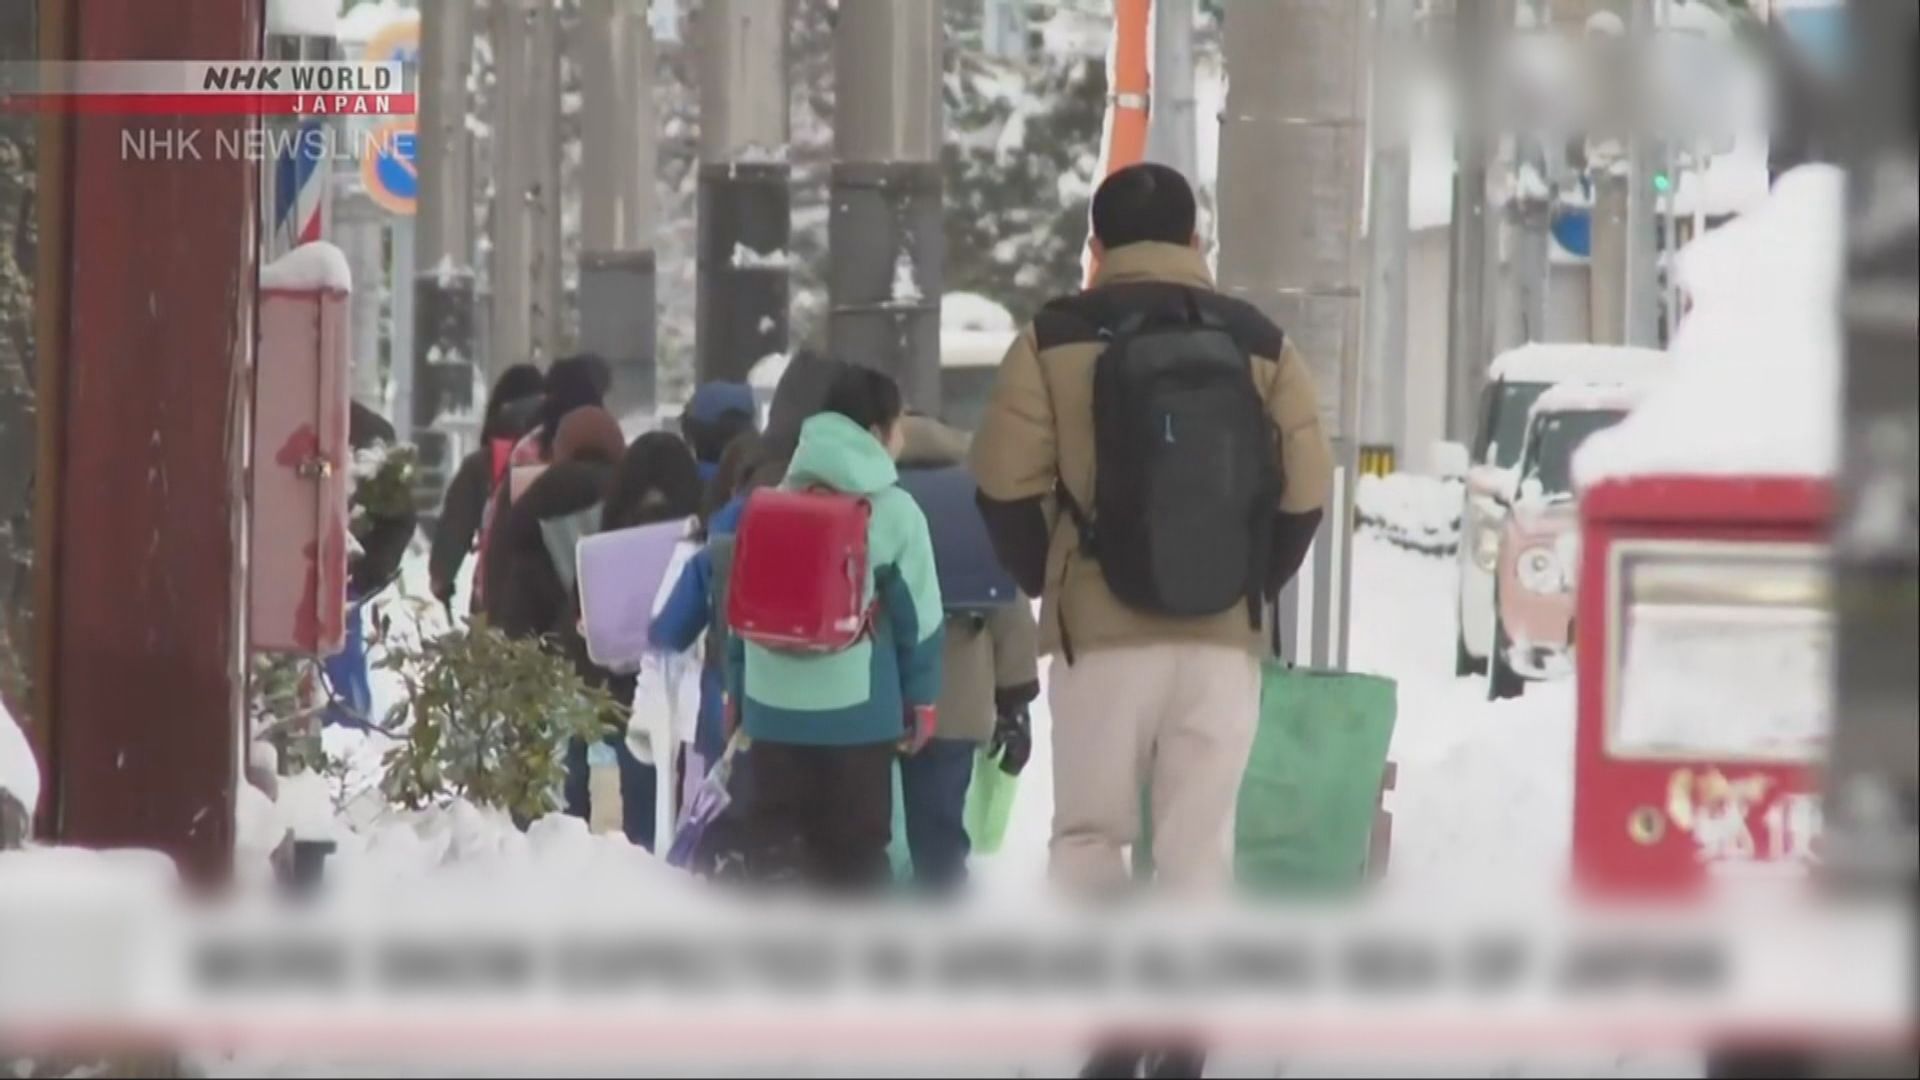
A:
<point x="693" y="608"/>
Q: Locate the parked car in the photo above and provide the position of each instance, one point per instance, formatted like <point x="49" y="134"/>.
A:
<point x="1515" y="380"/>
<point x="1537" y="561"/>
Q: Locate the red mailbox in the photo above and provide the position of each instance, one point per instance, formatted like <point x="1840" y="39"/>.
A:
<point x="297" y="561"/>
<point x="1703" y="680"/>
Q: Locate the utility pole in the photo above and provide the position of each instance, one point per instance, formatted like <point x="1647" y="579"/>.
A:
<point x="745" y="206"/>
<point x="1528" y="273"/>
<point x="1291" y="156"/>
<point x="359" y="231"/>
<point x="886" y="238"/>
<point x="142" y="467"/>
<point x="510" y="340"/>
<point x="526" y="184"/>
<point x="1870" y="774"/>
<point x="1477" y="27"/>
<point x="1172" y="133"/>
<point x="1625" y="267"/>
<point x="442" y="352"/>
<point x="543" y="191"/>
<point x="1383" y="406"/>
<point x="619" y="164"/>
<point x="1642" y="254"/>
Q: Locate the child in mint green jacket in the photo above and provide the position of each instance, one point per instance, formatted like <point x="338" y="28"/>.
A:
<point x="825" y="727"/>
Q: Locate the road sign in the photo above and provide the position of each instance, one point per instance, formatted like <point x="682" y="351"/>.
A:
<point x="396" y="41"/>
<point x="390" y="170"/>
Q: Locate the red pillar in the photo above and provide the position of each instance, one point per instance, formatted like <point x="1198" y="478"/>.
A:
<point x="153" y="279"/>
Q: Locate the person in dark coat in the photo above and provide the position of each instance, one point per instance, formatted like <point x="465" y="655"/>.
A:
<point x="383" y="544"/>
<point x="574" y="382"/>
<point x="529" y="565"/>
<point x="511" y="409"/>
<point x="532" y="593"/>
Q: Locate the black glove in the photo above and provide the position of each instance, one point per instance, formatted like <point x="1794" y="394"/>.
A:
<point x="1012" y="741"/>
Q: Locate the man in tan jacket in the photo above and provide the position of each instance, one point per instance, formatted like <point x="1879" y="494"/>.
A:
<point x="1143" y="697"/>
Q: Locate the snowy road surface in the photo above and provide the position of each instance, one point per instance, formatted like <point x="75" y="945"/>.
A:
<point x="1484" y="795"/>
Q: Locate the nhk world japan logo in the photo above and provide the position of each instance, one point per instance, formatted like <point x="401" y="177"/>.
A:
<point x="207" y="88"/>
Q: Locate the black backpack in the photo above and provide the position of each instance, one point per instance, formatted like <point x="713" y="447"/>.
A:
<point x="1185" y="486"/>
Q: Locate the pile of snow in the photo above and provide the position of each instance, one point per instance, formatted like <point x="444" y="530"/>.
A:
<point x="460" y="846"/>
<point x="745" y="258"/>
<point x="309" y="267"/>
<point x="1421" y="513"/>
<point x="1756" y="383"/>
<point x="972" y="311"/>
<point x="1484" y="794"/>
<point x="19" y="775"/>
<point x="906" y="288"/>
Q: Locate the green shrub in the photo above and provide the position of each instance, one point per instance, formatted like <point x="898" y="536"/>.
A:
<point x="486" y="718"/>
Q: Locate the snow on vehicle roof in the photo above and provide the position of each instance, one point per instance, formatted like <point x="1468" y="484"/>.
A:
<point x="1755" y="389"/>
<point x="1588" y="397"/>
<point x="1558" y="362"/>
<point x="308" y="268"/>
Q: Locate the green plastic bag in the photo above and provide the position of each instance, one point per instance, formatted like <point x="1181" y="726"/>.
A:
<point x="989" y="802"/>
<point x="897" y="854"/>
<point x="1304" y="820"/>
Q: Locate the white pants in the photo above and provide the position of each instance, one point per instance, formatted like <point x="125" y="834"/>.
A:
<point x="1179" y="717"/>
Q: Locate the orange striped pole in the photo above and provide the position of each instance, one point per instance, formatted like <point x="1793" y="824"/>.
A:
<point x="1128" y="97"/>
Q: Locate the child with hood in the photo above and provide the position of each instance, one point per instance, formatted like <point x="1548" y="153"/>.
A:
<point x="510" y="413"/>
<point x="826" y="726"/>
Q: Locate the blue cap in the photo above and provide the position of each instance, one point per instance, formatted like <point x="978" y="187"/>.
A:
<point x="715" y="399"/>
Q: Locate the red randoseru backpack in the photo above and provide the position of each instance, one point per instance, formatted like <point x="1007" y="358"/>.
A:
<point x="800" y="571"/>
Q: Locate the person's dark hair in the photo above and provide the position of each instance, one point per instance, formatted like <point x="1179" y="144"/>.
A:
<point x="865" y="396"/>
<point x="656" y="481"/>
<point x="575" y="382"/>
<point x="802" y="388"/>
<point x="711" y="438"/>
<point x="516" y="384"/>
<point x="1144" y="202"/>
<point x="735" y="462"/>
